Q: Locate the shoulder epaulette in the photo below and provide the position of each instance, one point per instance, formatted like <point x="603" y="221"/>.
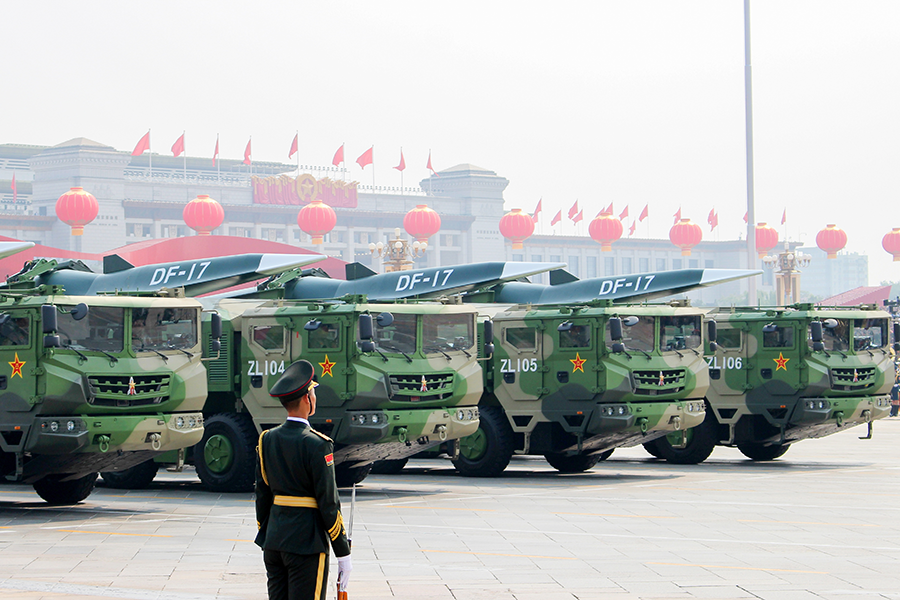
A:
<point x="321" y="435"/>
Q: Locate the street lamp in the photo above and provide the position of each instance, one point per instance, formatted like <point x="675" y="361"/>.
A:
<point x="398" y="254"/>
<point x="787" y="277"/>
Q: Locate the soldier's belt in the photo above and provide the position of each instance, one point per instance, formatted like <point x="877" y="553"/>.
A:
<point x="299" y="501"/>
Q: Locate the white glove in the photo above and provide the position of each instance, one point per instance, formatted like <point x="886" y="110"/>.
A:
<point x="344" y="568"/>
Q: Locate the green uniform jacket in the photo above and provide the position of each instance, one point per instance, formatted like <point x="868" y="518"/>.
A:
<point x="296" y="463"/>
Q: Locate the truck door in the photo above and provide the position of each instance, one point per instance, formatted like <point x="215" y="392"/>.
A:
<point x="572" y="358"/>
<point x="265" y="353"/>
<point x="518" y="364"/>
<point x="777" y="365"/>
<point x="323" y="341"/>
<point x="18" y="347"/>
<point x="728" y="365"/>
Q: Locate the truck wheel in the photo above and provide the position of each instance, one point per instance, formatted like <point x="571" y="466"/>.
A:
<point x="577" y="463"/>
<point x="54" y="491"/>
<point x="756" y="451"/>
<point x="486" y="452"/>
<point x="389" y="467"/>
<point x="226" y="456"/>
<point x="137" y="477"/>
<point x="651" y="449"/>
<point x="347" y="476"/>
<point x="700" y="443"/>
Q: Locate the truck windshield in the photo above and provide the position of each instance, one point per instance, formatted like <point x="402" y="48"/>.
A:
<point x="163" y="329"/>
<point x="102" y="329"/>
<point x="679" y="333"/>
<point x="448" y="332"/>
<point x="399" y="336"/>
<point x="837" y="338"/>
<point x="869" y="333"/>
<point x="639" y="336"/>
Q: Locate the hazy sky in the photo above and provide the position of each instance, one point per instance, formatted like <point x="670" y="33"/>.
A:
<point x="627" y="101"/>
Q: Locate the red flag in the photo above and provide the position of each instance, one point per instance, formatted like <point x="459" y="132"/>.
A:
<point x="365" y="158"/>
<point x="784" y="217"/>
<point x="428" y="166"/>
<point x="178" y="146"/>
<point x="556" y="219"/>
<point x="294" y="145"/>
<point x="712" y="219"/>
<point x="632" y="228"/>
<point x="247" y="159"/>
<point x="338" y="156"/>
<point x="15" y="193"/>
<point x="645" y="213"/>
<point x="216" y="153"/>
<point x="142" y="146"/>
<point x="623" y="214"/>
<point x="537" y="211"/>
<point x="745" y="218"/>
<point x="678" y="215"/>
<point x="579" y="216"/>
<point x="402" y="164"/>
<point x="574" y="210"/>
<point x="608" y="210"/>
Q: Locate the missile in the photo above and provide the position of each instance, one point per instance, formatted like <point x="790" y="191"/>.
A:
<point x="10" y="248"/>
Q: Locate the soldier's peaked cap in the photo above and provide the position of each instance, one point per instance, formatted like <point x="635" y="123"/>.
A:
<point x="296" y="380"/>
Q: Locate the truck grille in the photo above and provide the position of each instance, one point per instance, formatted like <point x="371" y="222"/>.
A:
<point x="113" y="390"/>
<point x="848" y="379"/>
<point x="658" y="381"/>
<point x="437" y="386"/>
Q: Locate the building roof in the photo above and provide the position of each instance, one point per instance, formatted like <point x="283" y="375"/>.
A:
<point x="81" y="141"/>
<point x="873" y="294"/>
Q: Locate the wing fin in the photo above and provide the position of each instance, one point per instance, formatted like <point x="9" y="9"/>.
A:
<point x="559" y="276"/>
<point x="353" y="271"/>
<point x="113" y="263"/>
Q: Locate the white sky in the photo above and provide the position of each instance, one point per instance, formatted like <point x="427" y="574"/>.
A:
<point x="629" y="101"/>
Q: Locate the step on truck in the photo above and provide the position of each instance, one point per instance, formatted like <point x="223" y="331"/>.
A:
<point x="572" y="383"/>
<point x="95" y="383"/>
<point x="781" y="375"/>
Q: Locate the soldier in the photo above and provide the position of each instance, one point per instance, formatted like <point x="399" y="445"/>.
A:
<point x="297" y="505"/>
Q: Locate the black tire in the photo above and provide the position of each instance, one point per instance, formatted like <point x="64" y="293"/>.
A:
<point x="651" y="448"/>
<point x="756" y="451"/>
<point x="54" y="491"/>
<point x="226" y="456"/>
<point x="700" y="443"/>
<point x="389" y="467"/>
<point x="347" y="476"/>
<point x="486" y="453"/>
<point x="137" y="477"/>
<point x="577" y="463"/>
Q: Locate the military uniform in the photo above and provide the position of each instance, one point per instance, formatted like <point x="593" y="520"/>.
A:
<point x="298" y="510"/>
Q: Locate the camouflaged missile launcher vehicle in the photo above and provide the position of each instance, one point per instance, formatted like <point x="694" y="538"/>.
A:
<point x="394" y="379"/>
<point x="563" y="385"/>
<point x="781" y="375"/>
<point x="95" y="383"/>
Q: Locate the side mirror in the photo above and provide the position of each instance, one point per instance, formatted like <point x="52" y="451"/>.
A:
<point x="488" y="338"/>
<point x="831" y="323"/>
<point x="215" y="326"/>
<point x="818" y="346"/>
<point x="215" y="346"/>
<point x="385" y="319"/>
<point x="713" y="346"/>
<point x="712" y="332"/>
<point x="618" y="348"/>
<point x="770" y="328"/>
<point x="48" y="319"/>
<point x="52" y="341"/>
<point x="366" y="330"/>
<point x="564" y="326"/>
<point x="79" y="312"/>
<point x="815" y="332"/>
<point x="615" y="332"/>
<point x="630" y="321"/>
<point x="312" y="325"/>
<point x="896" y="333"/>
<point x="367" y="346"/>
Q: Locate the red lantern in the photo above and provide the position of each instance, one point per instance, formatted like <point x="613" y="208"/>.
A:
<point x="685" y="235"/>
<point x="766" y="239"/>
<point x="316" y="219"/>
<point x="77" y="208"/>
<point x="203" y="214"/>
<point x="422" y="222"/>
<point x="891" y="243"/>
<point x="605" y="229"/>
<point x="831" y="240"/>
<point x="517" y="227"/>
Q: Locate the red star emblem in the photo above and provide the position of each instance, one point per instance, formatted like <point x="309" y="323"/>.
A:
<point x="17" y="366"/>
<point x="577" y="363"/>
<point x="326" y="367"/>
<point x="131" y="389"/>
<point x="424" y="387"/>
<point x="781" y="361"/>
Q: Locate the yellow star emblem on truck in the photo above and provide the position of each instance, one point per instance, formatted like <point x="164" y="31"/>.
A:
<point x="17" y="366"/>
<point x="327" y="366"/>
<point x="781" y="361"/>
<point x="577" y="363"/>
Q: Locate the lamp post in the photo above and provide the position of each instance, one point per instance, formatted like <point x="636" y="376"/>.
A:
<point x="399" y="254"/>
<point x="787" y="277"/>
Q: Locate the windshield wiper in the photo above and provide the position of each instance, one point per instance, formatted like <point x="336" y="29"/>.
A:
<point x="395" y="349"/>
<point x="436" y="348"/>
<point x="171" y="347"/>
<point x="75" y="350"/>
<point x="112" y="358"/>
<point x="164" y="357"/>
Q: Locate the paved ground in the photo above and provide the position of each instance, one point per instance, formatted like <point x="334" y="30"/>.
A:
<point x="822" y="522"/>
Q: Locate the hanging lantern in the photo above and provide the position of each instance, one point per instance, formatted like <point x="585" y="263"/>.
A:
<point x="203" y="214"/>
<point x="831" y="240"/>
<point x="605" y="229"/>
<point x="685" y="235"/>
<point x="422" y="223"/>
<point x="517" y="227"/>
<point x="766" y="239"/>
<point x="316" y="219"/>
<point x="891" y="243"/>
<point x="77" y="208"/>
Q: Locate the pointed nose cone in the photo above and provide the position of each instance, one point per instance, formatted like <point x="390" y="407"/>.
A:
<point x="515" y="270"/>
<point x="716" y="276"/>
<point x="10" y="248"/>
<point x="270" y="264"/>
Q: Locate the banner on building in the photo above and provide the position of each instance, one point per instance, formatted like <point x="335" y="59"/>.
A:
<point x="303" y="190"/>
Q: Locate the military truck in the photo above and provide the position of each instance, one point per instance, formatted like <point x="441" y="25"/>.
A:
<point x="781" y="375"/>
<point x="95" y="383"/>
<point x="572" y="383"/>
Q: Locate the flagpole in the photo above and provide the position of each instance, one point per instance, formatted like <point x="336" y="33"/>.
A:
<point x="401" y="172"/>
<point x="184" y="155"/>
<point x="752" y="297"/>
<point x="218" y="166"/>
<point x="373" y="168"/>
<point x="298" y="153"/>
<point x="150" y="148"/>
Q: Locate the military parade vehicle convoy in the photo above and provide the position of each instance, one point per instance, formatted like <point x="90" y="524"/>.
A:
<point x="781" y="375"/>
